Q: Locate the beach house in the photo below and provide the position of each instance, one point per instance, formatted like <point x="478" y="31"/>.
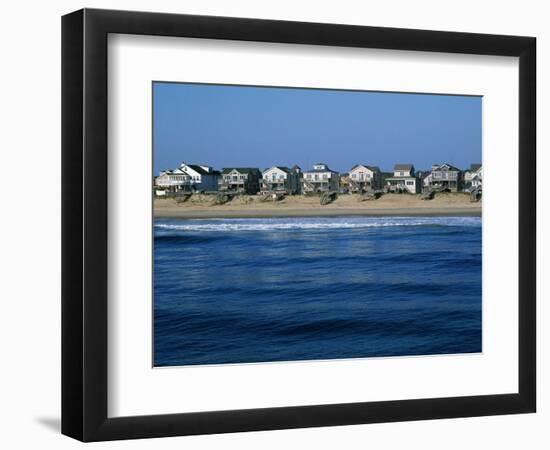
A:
<point x="403" y="180"/>
<point x="245" y="180"/>
<point x="446" y="176"/>
<point x="201" y="178"/>
<point x="320" y="179"/>
<point x="173" y="180"/>
<point x="477" y="178"/>
<point x="281" y="179"/>
<point x="473" y="176"/>
<point x="364" y="178"/>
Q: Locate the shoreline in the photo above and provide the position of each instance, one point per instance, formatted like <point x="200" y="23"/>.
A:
<point x="184" y="213"/>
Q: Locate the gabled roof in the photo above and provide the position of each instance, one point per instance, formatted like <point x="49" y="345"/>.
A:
<point x="371" y="168"/>
<point x="445" y="166"/>
<point x="475" y="167"/>
<point x="282" y="168"/>
<point x="243" y="170"/>
<point x="403" y="167"/>
<point x="198" y="169"/>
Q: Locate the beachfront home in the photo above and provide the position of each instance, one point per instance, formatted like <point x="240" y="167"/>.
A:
<point x="477" y="177"/>
<point x="173" y="180"/>
<point x="364" y="178"/>
<point x="280" y="179"/>
<point x="245" y="180"/>
<point x="445" y="176"/>
<point x="403" y="179"/>
<point x="473" y="176"/>
<point x="320" y="179"/>
<point x="201" y="178"/>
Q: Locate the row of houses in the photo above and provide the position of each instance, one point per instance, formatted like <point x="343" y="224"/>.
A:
<point x="320" y="178"/>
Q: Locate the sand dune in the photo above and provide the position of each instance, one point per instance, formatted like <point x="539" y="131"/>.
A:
<point x="200" y="206"/>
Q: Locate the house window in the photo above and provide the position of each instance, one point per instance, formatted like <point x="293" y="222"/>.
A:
<point x="410" y="183"/>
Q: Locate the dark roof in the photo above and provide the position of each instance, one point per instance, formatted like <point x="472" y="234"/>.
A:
<point x="403" y="167"/>
<point x="240" y="169"/>
<point x="474" y="167"/>
<point x="198" y="169"/>
<point x="320" y="170"/>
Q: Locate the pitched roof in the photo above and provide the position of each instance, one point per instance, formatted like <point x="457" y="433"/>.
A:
<point x="283" y="168"/>
<point x="371" y="168"/>
<point x="449" y="167"/>
<point x="240" y="169"/>
<point x="313" y="170"/>
<point x="198" y="169"/>
<point x="475" y="167"/>
<point x="403" y="167"/>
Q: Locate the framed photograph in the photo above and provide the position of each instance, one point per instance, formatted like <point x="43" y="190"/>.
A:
<point x="272" y="224"/>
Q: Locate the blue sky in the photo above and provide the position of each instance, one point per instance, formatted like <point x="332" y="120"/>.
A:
<point x="245" y="126"/>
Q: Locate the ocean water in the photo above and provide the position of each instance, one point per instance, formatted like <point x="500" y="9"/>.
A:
<point x="287" y="289"/>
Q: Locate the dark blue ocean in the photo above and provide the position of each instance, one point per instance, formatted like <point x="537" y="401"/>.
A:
<point x="286" y="289"/>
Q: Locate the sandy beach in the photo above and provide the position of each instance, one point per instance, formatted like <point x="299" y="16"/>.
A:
<point x="200" y="206"/>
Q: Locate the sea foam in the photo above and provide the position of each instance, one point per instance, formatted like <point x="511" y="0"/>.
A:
<point x="314" y="223"/>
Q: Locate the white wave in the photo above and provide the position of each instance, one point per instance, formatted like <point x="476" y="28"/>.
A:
<point x="314" y="223"/>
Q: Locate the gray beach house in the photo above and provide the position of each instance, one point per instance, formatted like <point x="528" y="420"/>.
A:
<point x="320" y="179"/>
<point x="445" y="176"/>
<point x="245" y="180"/>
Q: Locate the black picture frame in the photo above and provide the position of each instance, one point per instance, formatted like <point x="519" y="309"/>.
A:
<point x="84" y="224"/>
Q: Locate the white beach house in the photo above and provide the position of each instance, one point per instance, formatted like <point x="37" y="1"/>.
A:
<point x="201" y="177"/>
<point x="403" y="180"/>
<point x="364" y="178"/>
<point x="173" y="180"/>
<point x="281" y="179"/>
<point x="473" y="177"/>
